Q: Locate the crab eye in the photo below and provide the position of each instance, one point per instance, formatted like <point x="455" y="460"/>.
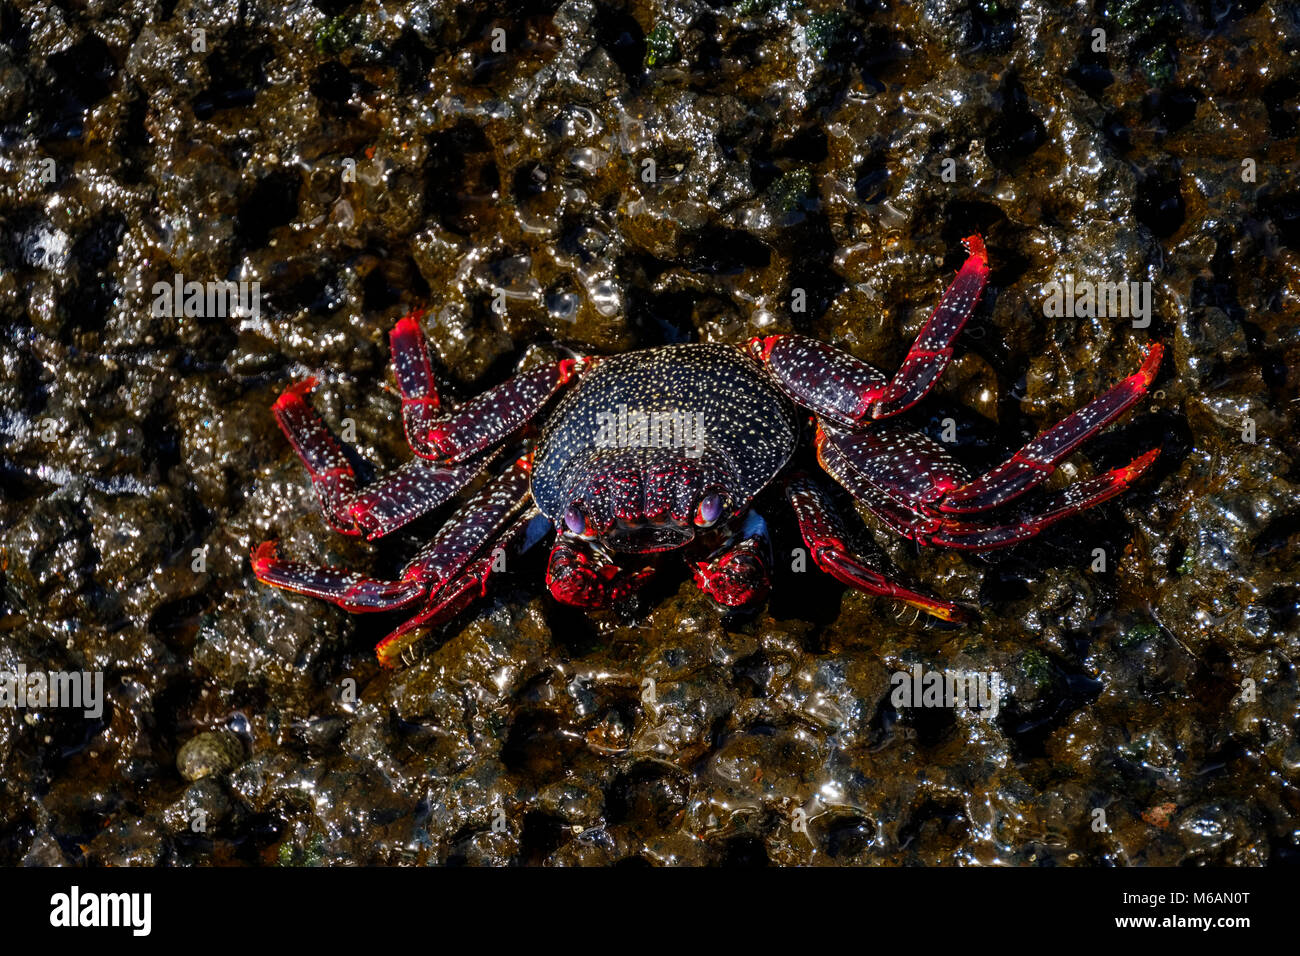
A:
<point x="576" y="522"/>
<point x="708" y="511"/>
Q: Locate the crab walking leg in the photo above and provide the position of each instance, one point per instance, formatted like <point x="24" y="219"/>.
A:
<point x="443" y="559"/>
<point x="918" y="523"/>
<point x="902" y="463"/>
<point x="932" y="350"/>
<point x="824" y="534"/>
<point x="409" y="491"/>
<point x="1034" y="463"/>
<point x="385" y="505"/>
<point x="472" y="528"/>
<point x="455" y="594"/>
<point x="414" y="375"/>
<point x="455" y="435"/>
<point x="349" y="590"/>
<point x="738" y="575"/>
<point x="823" y="379"/>
<point x="584" y="576"/>
<point x="489" y="418"/>
<point x="977" y="536"/>
<point x="908" y="519"/>
<point x="844" y="389"/>
<point x="331" y="473"/>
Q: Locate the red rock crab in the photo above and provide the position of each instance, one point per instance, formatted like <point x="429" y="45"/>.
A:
<point x="666" y="449"/>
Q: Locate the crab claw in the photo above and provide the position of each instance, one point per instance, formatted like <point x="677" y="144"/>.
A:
<point x="735" y="579"/>
<point x="584" y="577"/>
<point x="737" y="576"/>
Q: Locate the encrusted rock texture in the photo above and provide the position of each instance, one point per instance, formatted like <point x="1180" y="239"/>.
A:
<point x="601" y="177"/>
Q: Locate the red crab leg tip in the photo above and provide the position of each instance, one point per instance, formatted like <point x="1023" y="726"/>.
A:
<point x="953" y="614"/>
<point x="1071" y="500"/>
<point x="1151" y="364"/>
<point x="821" y="530"/>
<point x="944" y="610"/>
<point x="262" y="555"/>
<point x="1036" y="461"/>
<point x="407" y="327"/>
<point x="974" y="244"/>
<point x="1133" y="469"/>
<point x="296" y="392"/>
<point x="389" y="650"/>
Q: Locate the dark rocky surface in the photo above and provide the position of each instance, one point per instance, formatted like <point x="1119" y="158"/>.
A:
<point x="796" y="145"/>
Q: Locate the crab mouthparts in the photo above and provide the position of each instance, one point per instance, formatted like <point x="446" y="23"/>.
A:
<point x="646" y="539"/>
